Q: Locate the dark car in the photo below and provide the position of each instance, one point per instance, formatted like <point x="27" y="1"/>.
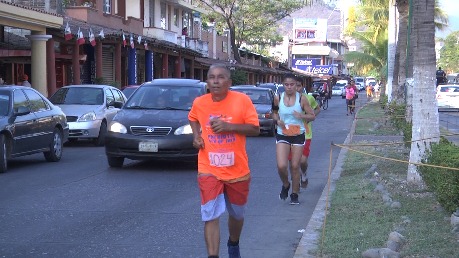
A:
<point x="262" y="99"/>
<point x="153" y="124"/>
<point x="128" y="90"/>
<point x="276" y="88"/>
<point x="29" y="123"/>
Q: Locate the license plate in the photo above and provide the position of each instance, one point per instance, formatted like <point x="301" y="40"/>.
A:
<point x="148" y="146"/>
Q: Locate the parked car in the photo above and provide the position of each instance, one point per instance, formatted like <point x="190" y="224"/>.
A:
<point x="263" y="100"/>
<point x="360" y="81"/>
<point x="448" y="96"/>
<point x="153" y="124"/>
<point x="29" y="123"/>
<point x="128" y="90"/>
<point x="276" y="88"/>
<point x="89" y="109"/>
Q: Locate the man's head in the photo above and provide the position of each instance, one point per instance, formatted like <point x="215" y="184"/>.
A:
<point x="439" y="68"/>
<point x="289" y="82"/>
<point x="219" y="79"/>
<point x="25" y="77"/>
<point x="299" y="85"/>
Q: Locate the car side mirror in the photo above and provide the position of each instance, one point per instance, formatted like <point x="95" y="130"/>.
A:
<point x="22" y="110"/>
<point x="117" y="104"/>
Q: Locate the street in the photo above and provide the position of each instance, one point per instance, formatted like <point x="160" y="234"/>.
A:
<point x="79" y="207"/>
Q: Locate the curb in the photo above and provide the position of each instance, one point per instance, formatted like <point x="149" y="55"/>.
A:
<point x="310" y="241"/>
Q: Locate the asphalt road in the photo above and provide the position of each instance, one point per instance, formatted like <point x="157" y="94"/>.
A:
<point x="79" y="207"/>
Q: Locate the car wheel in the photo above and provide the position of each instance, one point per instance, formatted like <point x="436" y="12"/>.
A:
<point x="3" y="154"/>
<point x="55" y="149"/>
<point x="100" y="141"/>
<point x="115" y="162"/>
<point x="272" y="132"/>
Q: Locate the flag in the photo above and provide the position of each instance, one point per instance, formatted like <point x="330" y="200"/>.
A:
<point x="131" y="41"/>
<point x="80" y="37"/>
<point x="92" y="39"/>
<point x="139" y="39"/>
<point x="68" y="33"/>
<point x="145" y="44"/>
<point x="124" y="40"/>
<point x="101" y="34"/>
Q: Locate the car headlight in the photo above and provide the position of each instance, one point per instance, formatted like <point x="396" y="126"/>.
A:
<point x="186" y="129"/>
<point x="90" y="116"/>
<point x="117" y="127"/>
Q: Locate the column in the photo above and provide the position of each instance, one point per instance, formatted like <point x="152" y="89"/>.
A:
<point x="98" y="55"/>
<point x="39" y="81"/>
<point x="51" y="67"/>
<point x="149" y="65"/>
<point x="132" y="67"/>
<point x="76" y="63"/>
<point x="178" y="67"/>
<point x="118" y="62"/>
<point x="192" y="75"/>
<point x="165" y="65"/>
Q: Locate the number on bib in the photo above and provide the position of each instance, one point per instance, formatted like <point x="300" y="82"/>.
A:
<point x="221" y="159"/>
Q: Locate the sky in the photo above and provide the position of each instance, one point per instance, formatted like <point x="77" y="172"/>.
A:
<point x="451" y="7"/>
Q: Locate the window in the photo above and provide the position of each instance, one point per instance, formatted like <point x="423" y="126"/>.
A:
<point x="19" y="100"/>
<point x="107" y="6"/>
<point x="37" y="104"/>
<point x="118" y="96"/>
<point x="176" y="16"/>
<point x="163" y="16"/>
<point x="110" y="98"/>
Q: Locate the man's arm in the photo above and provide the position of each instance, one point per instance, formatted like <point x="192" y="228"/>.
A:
<point x="308" y="114"/>
<point x="198" y="142"/>
<point x="220" y="126"/>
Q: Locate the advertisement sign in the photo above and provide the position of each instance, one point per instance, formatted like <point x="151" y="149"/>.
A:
<point x="311" y="66"/>
<point x="309" y="30"/>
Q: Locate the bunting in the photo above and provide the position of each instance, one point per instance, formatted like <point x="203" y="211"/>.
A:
<point x="92" y="39"/>
<point x="145" y="44"/>
<point x="101" y="34"/>
<point x="139" y="39"/>
<point x="80" y="39"/>
<point x="68" y="33"/>
<point x="124" y="40"/>
<point x="131" y="41"/>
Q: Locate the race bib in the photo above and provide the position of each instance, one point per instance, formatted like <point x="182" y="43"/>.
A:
<point x="291" y="130"/>
<point x="221" y="159"/>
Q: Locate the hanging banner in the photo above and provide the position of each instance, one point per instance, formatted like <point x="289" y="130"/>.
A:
<point x="311" y="66"/>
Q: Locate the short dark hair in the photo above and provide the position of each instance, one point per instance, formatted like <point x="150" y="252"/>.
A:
<point x="289" y="76"/>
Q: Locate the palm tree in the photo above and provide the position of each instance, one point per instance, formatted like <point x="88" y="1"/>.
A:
<point x="425" y="126"/>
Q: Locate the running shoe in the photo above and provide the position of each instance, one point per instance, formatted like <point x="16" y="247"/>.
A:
<point x="294" y="199"/>
<point x="284" y="192"/>
<point x="304" y="183"/>
<point x="233" y="251"/>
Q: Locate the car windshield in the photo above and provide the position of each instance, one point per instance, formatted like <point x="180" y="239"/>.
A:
<point x="78" y="96"/>
<point x="128" y="91"/>
<point x="4" y="104"/>
<point x="257" y="96"/>
<point x="163" y="97"/>
<point x="336" y="88"/>
<point x="340" y="84"/>
<point x="449" y="89"/>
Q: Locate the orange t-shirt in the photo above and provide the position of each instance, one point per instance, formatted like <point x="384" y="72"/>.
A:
<point x="224" y="155"/>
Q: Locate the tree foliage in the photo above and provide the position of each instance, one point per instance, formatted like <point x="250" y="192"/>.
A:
<point x="449" y="54"/>
<point x="252" y="22"/>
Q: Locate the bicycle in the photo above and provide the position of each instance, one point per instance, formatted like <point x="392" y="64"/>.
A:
<point x="323" y="101"/>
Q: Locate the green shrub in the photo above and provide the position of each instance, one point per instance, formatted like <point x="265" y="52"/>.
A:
<point x="443" y="182"/>
<point x="238" y="77"/>
<point x="397" y="118"/>
<point x="383" y="101"/>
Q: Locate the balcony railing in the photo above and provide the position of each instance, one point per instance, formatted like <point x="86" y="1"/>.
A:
<point x="194" y="44"/>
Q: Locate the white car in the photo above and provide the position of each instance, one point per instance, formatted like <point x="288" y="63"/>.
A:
<point x="89" y="109"/>
<point x="448" y="96"/>
<point x="337" y="90"/>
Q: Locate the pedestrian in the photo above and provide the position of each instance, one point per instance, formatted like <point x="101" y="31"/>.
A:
<point x="441" y="76"/>
<point x="25" y="81"/>
<point x="350" y="98"/>
<point x="290" y="113"/>
<point x="220" y="122"/>
<point x="369" y="91"/>
<point x="308" y="136"/>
